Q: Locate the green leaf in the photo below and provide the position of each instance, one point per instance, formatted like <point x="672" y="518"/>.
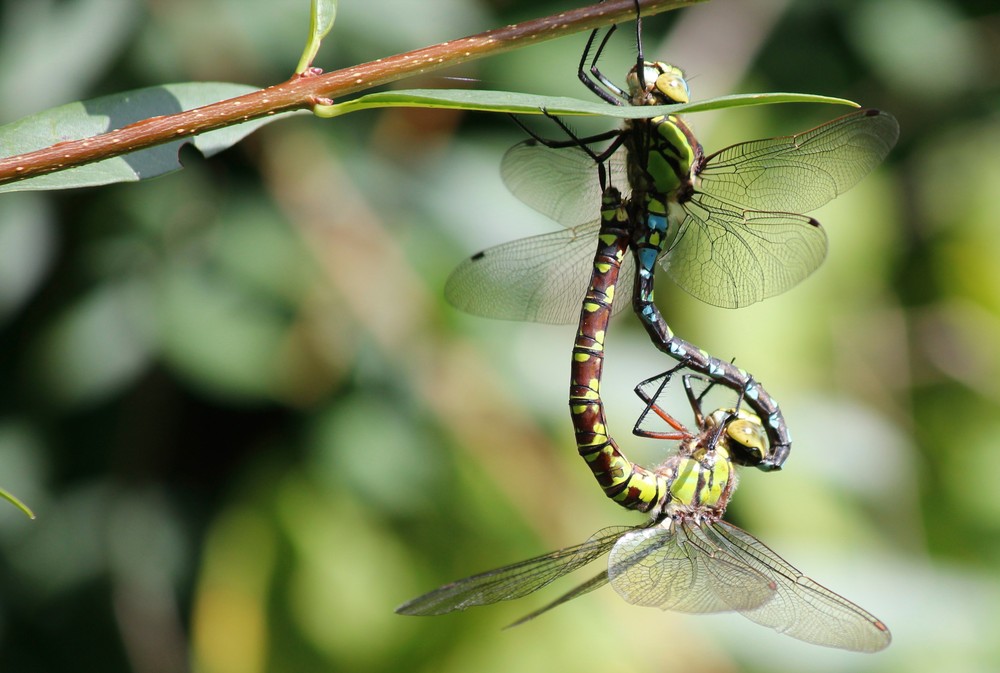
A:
<point x="523" y="103"/>
<point x="86" y="119"/>
<point x="321" y="19"/>
<point x="12" y="499"/>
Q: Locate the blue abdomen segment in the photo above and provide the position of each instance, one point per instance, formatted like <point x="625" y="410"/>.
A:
<point x="647" y="247"/>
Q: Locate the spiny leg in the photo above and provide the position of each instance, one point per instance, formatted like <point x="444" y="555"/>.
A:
<point x="610" y="90"/>
<point x="584" y="143"/>
<point x="612" y="93"/>
<point x="651" y="405"/>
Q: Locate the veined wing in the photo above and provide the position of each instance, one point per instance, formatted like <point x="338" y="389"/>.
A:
<point x="561" y="183"/>
<point x="796" y="174"/>
<point x="515" y="580"/>
<point x="595" y="582"/>
<point x="801" y="608"/>
<point x="537" y="279"/>
<point x="731" y="258"/>
<point x="675" y="569"/>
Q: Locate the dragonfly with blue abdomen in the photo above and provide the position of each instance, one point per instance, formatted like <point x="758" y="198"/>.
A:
<point x="630" y="485"/>
<point x="726" y="226"/>
<point x="687" y="558"/>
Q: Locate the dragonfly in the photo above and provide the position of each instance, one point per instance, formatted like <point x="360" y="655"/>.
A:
<point x="727" y="226"/>
<point x="631" y="486"/>
<point x="687" y="558"/>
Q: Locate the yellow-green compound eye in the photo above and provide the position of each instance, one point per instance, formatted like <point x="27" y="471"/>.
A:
<point x="674" y="87"/>
<point x="664" y="81"/>
<point x="749" y="445"/>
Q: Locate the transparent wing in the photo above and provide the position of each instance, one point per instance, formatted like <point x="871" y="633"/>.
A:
<point x="799" y="173"/>
<point x="801" y="608"/>
<point x="537" y="279"/>
<point x="561" y="183"/>
<point x="513" y="581"/>
<point x="732" y="258"/>
<point x="675" y="569"/>
<point x="595" y="582"/>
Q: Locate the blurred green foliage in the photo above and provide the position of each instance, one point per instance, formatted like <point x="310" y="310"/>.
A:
<point x="250" y="427"/>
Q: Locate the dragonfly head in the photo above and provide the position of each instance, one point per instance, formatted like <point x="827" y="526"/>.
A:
<point x="744" y="435"/>
<point x="664" y="84"/>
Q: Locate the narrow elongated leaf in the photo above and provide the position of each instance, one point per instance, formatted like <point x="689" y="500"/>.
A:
<point x="523" y="103"/>
<point x="85" y="119"/>
<point x="321" y="17"/>
<point x="13" y="499"/>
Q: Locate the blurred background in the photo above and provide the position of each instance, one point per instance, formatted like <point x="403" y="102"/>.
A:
<point x="250" y="426"/>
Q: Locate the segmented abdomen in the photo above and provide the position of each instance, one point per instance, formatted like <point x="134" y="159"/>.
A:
<point x="631" y="486"/>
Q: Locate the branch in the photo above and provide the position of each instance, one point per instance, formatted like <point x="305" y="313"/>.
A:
<point x="305" y="91"/>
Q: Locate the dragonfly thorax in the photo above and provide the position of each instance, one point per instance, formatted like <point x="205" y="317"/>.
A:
<point x="702" y="474"/>
<point x="663" y="156"/>
<point x="701" y="478"/>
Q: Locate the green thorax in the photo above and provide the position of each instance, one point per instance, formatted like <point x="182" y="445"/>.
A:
<point x="703" y="479"/>
<point x="661" y="154"/>
<point x="702" y="473"/>
<point x="662" y="151"/>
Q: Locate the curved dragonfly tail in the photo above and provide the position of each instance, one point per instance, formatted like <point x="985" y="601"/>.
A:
<point x="631" y="486"/>
<point x="648" y="247"/>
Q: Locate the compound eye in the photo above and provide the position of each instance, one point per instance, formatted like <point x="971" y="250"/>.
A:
<point x="749" y="443"/>
<point x="673" y="87"/>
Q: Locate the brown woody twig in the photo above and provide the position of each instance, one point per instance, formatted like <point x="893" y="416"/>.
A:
<point x="304" y="91"/>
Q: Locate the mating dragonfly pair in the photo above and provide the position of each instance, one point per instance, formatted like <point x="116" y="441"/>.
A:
<point x="687" y="558"/>
<point x="728" y="228"/>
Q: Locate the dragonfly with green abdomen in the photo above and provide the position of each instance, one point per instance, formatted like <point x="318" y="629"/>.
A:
<point x="631" y="486"/>
<point x="726" y="226"/>
<point x="687" y="558"/>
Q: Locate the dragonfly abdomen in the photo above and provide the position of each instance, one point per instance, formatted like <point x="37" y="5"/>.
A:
<point x="649" y="244"/>
<point x="630" y="485"/>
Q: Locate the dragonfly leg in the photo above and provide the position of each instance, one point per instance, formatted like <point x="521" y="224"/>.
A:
<point x="610" y="93"/>
<point x="573" y="141"/>
<point x="716" y="435"/>
<point x="579" y="142"/>
<point x="583" y="143"/>
<point x="696" y="400"/>
<point x="681" y="431"/>
<point x="640" y="391"/>
<point x="640" y="59"/>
